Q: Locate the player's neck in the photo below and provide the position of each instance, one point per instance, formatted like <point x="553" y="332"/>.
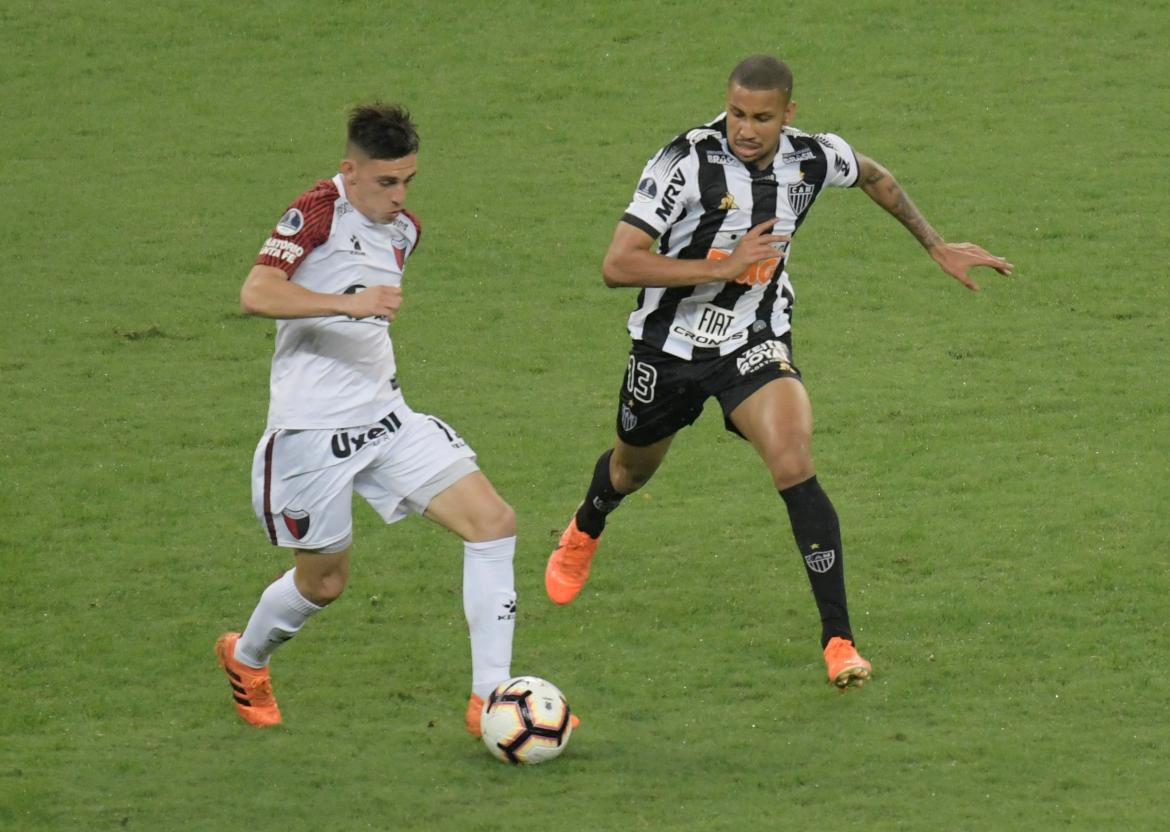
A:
<point x="765" y="162"/>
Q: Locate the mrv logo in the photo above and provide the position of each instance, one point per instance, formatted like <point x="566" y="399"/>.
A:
<point x="673" y="189"/>
<point x="345" y="443"/>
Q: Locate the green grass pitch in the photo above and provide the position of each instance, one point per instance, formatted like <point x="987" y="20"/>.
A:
<point x="999" y="460"/>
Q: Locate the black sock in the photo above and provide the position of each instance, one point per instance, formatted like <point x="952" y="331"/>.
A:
<point x="600" y="500"/>
<point x="818" y="536"/>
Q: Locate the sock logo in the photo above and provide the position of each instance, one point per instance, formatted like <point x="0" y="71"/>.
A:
<point x="606" y="506"/>
<point x="821" y="561"/>
<point x="297" y="522"/>
<point x="509" y="613"/>
<point x="279" y="637"/>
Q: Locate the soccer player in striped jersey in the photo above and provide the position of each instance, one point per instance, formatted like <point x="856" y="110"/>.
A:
<point x="706" y="239"/>
<point x="331" y="275"/>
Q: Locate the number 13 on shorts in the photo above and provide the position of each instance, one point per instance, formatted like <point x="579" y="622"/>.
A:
<point x="640" y="380"/>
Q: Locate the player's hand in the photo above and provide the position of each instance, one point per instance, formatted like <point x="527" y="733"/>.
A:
<point x="956" y="258"/>
<point x="754" y="259"/>
<point x="376" y="301"/>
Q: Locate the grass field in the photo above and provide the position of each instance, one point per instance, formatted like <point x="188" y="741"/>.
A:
<point x="999" y="461"/>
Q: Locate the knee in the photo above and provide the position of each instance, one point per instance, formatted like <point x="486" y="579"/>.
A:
<point x="792" y="463"/>
<point x="493" y="522"/>
<point x="322" y="589"/>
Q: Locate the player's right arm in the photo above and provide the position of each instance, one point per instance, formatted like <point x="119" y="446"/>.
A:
<point x="268" y="293"/>
<point x="630" y="262"/>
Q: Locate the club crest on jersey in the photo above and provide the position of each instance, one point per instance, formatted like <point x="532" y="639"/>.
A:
<point x="800" y="196"/>
<point x="291" y="223"/>
<point x="296" y="521"/>
<point x="647" y="190"/>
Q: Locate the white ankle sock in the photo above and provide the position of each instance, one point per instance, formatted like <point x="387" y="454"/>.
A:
<point x="489" y="602"/>
<point x="277" y="618"/>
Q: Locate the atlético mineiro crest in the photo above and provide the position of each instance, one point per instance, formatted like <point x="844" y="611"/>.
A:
<point x="629" y="418"/>
<point x="821" y="561"/>
<point x="800" y="196"/>
<point x="296" y="521"/>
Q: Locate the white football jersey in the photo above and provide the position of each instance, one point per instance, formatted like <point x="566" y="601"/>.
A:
<point x="336" y="371"/>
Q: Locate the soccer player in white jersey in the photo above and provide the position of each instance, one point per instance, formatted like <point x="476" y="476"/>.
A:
<point x="714" y="318"/>
<point x="331" y="276"/>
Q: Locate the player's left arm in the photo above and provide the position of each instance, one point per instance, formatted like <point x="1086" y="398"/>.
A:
<point x="954" y="258"/>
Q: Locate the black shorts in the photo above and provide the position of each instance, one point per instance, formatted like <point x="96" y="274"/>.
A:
<point x="662" y="394"/>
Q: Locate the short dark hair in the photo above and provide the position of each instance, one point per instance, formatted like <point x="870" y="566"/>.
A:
<point x="762" y="72"/>
<point x="382" y="131"/>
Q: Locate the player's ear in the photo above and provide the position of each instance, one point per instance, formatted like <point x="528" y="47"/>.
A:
<point x="790" y="112"/>
<point x="347" y="166"/>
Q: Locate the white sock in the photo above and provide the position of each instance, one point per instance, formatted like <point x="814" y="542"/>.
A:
<point x="277" y="618"/>
<point x="489" y="602"/>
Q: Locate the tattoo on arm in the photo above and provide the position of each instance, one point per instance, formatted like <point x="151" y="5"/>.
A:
<point x="884" y="189"/>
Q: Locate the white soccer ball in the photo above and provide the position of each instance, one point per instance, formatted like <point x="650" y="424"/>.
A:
<point x="526" y="720"/>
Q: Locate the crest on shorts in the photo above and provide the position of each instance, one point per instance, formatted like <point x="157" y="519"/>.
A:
<point x="821" y="561"/>
<point x="297" y="522"/>
<point x="629" y="418"/>
<point x="800" y="196"/>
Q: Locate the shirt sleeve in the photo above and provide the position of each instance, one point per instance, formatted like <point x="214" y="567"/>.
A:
<point x="304" y="226"/>
<point x="417" y="224"/>
<point x="663" y="189"/>
<point x="842" y="169"/>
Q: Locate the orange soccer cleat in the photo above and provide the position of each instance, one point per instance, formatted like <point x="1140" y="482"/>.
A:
<point x="474" y="715"/>
<point x="251" y="687"/>
<point x="568" y="565"/>
<point x="846" y="667"/>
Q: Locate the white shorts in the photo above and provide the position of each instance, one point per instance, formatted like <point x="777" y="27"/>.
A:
<point x="303" y="480"/>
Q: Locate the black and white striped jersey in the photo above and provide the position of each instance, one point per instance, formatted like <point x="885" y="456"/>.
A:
<point x="696" y="197"/>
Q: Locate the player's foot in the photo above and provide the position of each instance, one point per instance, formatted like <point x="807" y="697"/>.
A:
<point x="474" y="719"/>
<point x="568" y="566"/>
<point x="846" y="667"/>
<point x="251" y="687"/>
<point x="474" y="715"/>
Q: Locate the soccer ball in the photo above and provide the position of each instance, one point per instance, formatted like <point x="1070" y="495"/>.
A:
<point x="526" y="720"/>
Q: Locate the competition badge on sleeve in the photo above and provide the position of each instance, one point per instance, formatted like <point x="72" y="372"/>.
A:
<point x="291" y="223"/>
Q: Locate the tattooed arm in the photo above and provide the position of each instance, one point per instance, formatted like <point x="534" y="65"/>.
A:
<point x="954" y="258"/>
